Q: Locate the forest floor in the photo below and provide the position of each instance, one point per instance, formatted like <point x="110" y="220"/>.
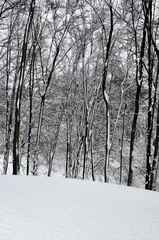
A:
<point x="64" y="209"/>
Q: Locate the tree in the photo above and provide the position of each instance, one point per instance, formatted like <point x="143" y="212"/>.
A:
<point x="18" y="98"/>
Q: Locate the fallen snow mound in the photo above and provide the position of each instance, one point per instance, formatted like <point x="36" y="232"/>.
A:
<point x="39" y="208"/>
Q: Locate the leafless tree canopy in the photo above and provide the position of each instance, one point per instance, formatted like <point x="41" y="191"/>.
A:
<point x="79" y="89"/>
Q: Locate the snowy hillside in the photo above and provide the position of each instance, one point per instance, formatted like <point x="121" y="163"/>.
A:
<point x="59" y="209"/>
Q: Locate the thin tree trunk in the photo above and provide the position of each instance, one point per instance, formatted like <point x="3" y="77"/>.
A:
<point x="35" y="161"/>
<point x="154" y="168"/>
<point x="107" y="146"/>
<point x="121" y="147"/>
<point x="16" y="164"/>
<point x="10" y="103"/>
<point x="31" y="87"/>
<point x="85" y="140"/>
<point x="150" y="80"/>
<point x="92" y="160"/>
<point x="105" y="95"/>
<point x="155" y="156"/>
<point x="68" y="149"/>
<point x="76" y="165"/>
<point x="137" y="99"/>
<point x="9" y="114"/>
<point x="133" y="133"/>
<point x="156" y="142"/>
<point x="156" y="174"/>
<point x="54" y="140"/>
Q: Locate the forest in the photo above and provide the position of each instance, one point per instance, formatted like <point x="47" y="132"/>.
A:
<point x="79" y="89"/>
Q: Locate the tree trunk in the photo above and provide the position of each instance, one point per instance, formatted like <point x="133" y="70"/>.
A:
<point x="85" y="103"/>
<point x="105" y="95"/>
<point x="139" y="69"/>
<point x="156" y="155"/>
<point x="9" y="119"/>
<point x="31" y="87"/>
<point x="16" y="166"/>
<point x="92" y="160"/>
<point x="152" y="185"/>
<point x="121" y="147"/>
<point x="54" y="140"/>
<point x="107" y="146"/>
<point x="148" y="12"/>
<point x="133" y="132"/>
<point x="68" y="150"/>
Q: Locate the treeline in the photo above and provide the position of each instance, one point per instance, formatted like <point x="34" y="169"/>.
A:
<point x="80" y="79"/>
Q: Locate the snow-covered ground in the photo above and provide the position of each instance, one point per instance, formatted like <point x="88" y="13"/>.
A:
<point x="40" y="208"/>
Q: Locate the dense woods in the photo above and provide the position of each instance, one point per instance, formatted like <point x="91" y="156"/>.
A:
<point x="79" y="89"/>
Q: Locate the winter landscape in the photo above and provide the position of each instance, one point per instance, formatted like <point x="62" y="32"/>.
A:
<point x="79" y="115"/>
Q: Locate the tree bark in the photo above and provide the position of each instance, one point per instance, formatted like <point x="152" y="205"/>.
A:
<point x="31" y="89"/>
<point x="9" y="119"/>
<point x="105" y="95"/>
<point x="139" y="80"/>
<point x="121" y="147"/>
<point x="16" y="165"/>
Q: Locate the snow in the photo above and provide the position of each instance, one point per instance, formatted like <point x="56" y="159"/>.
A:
<point x="62" y="209"/>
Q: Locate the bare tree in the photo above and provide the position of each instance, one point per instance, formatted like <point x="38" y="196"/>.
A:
<point x="22" y="69"/>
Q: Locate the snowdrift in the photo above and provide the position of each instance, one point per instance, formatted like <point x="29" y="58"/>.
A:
<point x="39" y="208"/>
